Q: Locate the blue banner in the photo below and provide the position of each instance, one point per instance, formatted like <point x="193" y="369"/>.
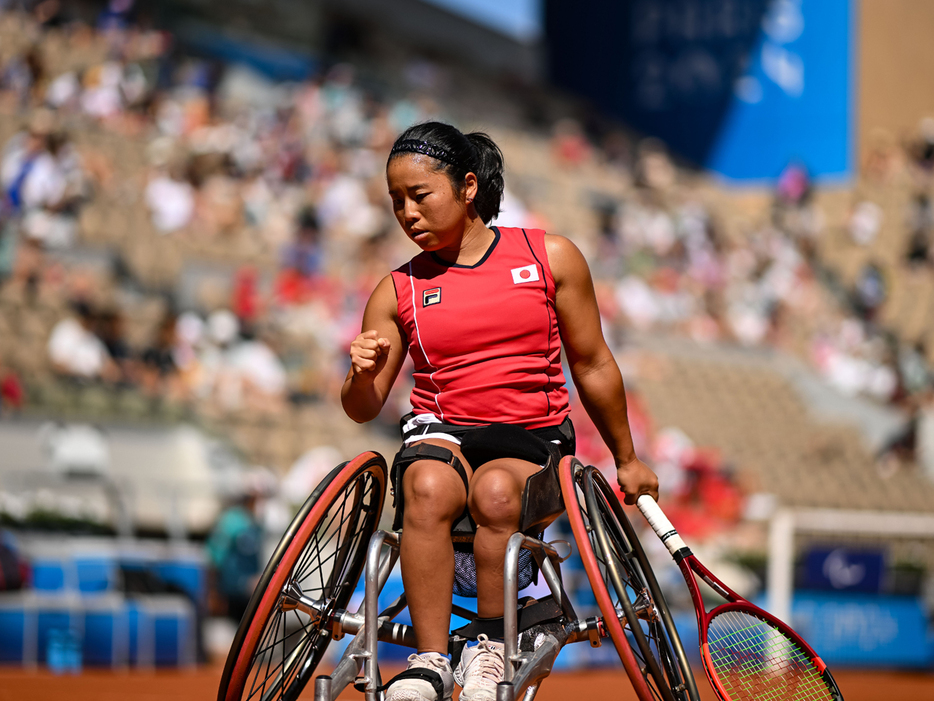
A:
<point x="794" y="103"/>
<point x="742" y="87"/>
<point x="842" y="569"/>
<point x="863" y="630"/>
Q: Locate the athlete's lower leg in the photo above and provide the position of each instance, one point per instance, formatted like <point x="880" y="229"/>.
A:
<point x="434" y="498"/>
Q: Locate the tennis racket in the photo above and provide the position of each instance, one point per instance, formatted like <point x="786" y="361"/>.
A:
<point x="747" y="652"/>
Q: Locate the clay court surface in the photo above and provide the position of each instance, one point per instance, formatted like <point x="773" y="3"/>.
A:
<point x="201" y="684"/>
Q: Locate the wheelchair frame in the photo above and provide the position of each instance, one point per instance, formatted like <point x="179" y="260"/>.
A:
<point x="661" y="672"/>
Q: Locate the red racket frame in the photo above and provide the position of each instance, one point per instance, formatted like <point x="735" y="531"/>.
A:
<point x="691" y="568"/>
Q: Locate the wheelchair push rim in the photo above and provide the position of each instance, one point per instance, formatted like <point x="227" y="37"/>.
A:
<point x="625" y="588"/>
<point x="276" y="649"/>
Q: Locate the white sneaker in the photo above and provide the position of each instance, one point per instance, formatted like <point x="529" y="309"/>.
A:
<point x="413" y="689"/>
<point x="481" y="668"/>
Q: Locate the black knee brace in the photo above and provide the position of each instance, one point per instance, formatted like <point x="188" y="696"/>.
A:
<point x="414" y="453"/>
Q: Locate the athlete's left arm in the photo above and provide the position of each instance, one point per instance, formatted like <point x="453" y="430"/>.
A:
<point x="593" y="367"/>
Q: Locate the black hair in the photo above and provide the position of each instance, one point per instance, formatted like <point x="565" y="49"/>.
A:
<point x="458" y="154"/>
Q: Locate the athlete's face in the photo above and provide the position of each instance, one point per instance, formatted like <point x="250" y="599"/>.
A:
<point x="430" y="211"/>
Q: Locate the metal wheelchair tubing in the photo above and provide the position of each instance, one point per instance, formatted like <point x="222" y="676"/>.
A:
<point x="532" y="668"/>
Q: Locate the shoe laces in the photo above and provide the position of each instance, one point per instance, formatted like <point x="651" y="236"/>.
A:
<point x="487" y="665"/>
<point x="429" y="661"/>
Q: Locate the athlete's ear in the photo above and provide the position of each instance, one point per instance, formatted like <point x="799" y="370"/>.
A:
<point x="471" y="187"/>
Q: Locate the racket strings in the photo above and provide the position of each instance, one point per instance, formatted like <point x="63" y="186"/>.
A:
<point x="754" y="660"/>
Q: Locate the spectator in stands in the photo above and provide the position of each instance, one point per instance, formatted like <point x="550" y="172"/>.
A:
<point x="914" y="374"/>
<point x="922" y="150"/>
<point x="260" y="374"/>
<point x="870" y="291"/>
<point x="76" y="352"/>
<point x="25" y="152"/>
<point x="920" y="224"/>
<point x="569" y="144"/>
<point x="12" y="395"/>
<point x="170" y="197"/>
<point x="43" y="184"/>
<point x="794" y="186"/>
<point x="654" y="169"/>
<point x="901" y="448"/>
<point x="111" y="329"/>
<point x="865" y="222"/>
<point x="158" y="372"/>
<point x="246" y="302"/>
<point x="234" y="549"/>
<point x="303" y="254"/>
<point x="25" y="76"/>
<point x="188" y="334"/>
<point x="301" y="261"/>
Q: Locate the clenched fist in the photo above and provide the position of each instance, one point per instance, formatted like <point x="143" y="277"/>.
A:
<point x="368" y="355"/>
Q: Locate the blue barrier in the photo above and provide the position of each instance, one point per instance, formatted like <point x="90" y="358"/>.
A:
<point x="862" y="630"/>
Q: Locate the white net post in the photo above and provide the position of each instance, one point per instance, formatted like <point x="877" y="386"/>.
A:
<point x="780" y="581"/>
<point x="785" y="523"/>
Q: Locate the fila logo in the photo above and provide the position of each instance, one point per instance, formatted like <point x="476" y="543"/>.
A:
<point x="527" y="273"/>
<point x="432" y="296"/>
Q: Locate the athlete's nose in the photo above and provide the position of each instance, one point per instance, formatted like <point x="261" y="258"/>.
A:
<point x="410" y="212"/>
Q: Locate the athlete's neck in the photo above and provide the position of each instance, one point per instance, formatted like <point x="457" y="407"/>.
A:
<point x="474" y="244"/>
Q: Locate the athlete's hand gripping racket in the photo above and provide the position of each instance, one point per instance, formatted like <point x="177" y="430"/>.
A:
<point x="747" y="652"/>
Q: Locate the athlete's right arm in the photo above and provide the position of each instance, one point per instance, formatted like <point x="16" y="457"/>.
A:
<point x="376" y="355"/>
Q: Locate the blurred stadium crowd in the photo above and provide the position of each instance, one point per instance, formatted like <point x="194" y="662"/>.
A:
<point x="185" y="238"/>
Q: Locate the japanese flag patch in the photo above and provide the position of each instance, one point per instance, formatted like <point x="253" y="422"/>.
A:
<point x="527" y="273"/>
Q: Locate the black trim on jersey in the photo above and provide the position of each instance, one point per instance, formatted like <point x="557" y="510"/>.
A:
<point x="447" y="264"/>
<point x="547" y="311"/>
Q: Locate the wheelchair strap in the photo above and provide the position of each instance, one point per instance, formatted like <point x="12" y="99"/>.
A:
<point x="531" y="612"/>
<point x="421" y="673"/>
<point x="414" y="453"/>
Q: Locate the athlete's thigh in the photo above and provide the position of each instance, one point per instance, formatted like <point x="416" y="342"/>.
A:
<point x="441" y="475"/>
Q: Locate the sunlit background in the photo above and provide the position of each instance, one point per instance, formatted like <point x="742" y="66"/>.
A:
<point x="193" y="213"/>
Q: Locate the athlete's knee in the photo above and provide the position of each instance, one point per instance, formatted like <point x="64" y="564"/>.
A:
<point x="495" y="497"/>
<point x="433" y="492"/>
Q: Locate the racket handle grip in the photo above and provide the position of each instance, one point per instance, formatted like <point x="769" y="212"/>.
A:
<point x="660" y="523"/>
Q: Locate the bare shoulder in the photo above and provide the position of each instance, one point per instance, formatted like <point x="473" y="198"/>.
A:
<point x="386" y="287"/>
<point x="383" y="298"/>
<point x="565" y="258"/>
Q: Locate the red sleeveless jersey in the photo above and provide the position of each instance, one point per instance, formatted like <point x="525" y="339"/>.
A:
<point x="484" y="338"/>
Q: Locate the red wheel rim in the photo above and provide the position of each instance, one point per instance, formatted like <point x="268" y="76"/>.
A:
<point x="271" y="595"/>
<point x="600" y="591"/>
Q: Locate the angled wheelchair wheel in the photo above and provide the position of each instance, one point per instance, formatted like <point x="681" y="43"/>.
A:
<point x="320" y="558"/>
<point x="635" y="613"/>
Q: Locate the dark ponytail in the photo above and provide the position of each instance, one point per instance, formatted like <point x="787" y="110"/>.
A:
<point x="457" y="154"/>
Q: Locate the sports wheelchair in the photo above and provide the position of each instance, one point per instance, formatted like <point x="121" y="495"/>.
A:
<point x="301" y="601"/>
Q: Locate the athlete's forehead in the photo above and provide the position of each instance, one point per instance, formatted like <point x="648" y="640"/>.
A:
<point x="412" y="170"/>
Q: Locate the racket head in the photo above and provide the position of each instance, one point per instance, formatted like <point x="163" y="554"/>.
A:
<point x="750" y="655"/>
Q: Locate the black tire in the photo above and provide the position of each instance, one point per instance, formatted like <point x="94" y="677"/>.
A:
<point x="275" y="651"/>
<point x="627" y="575"/>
